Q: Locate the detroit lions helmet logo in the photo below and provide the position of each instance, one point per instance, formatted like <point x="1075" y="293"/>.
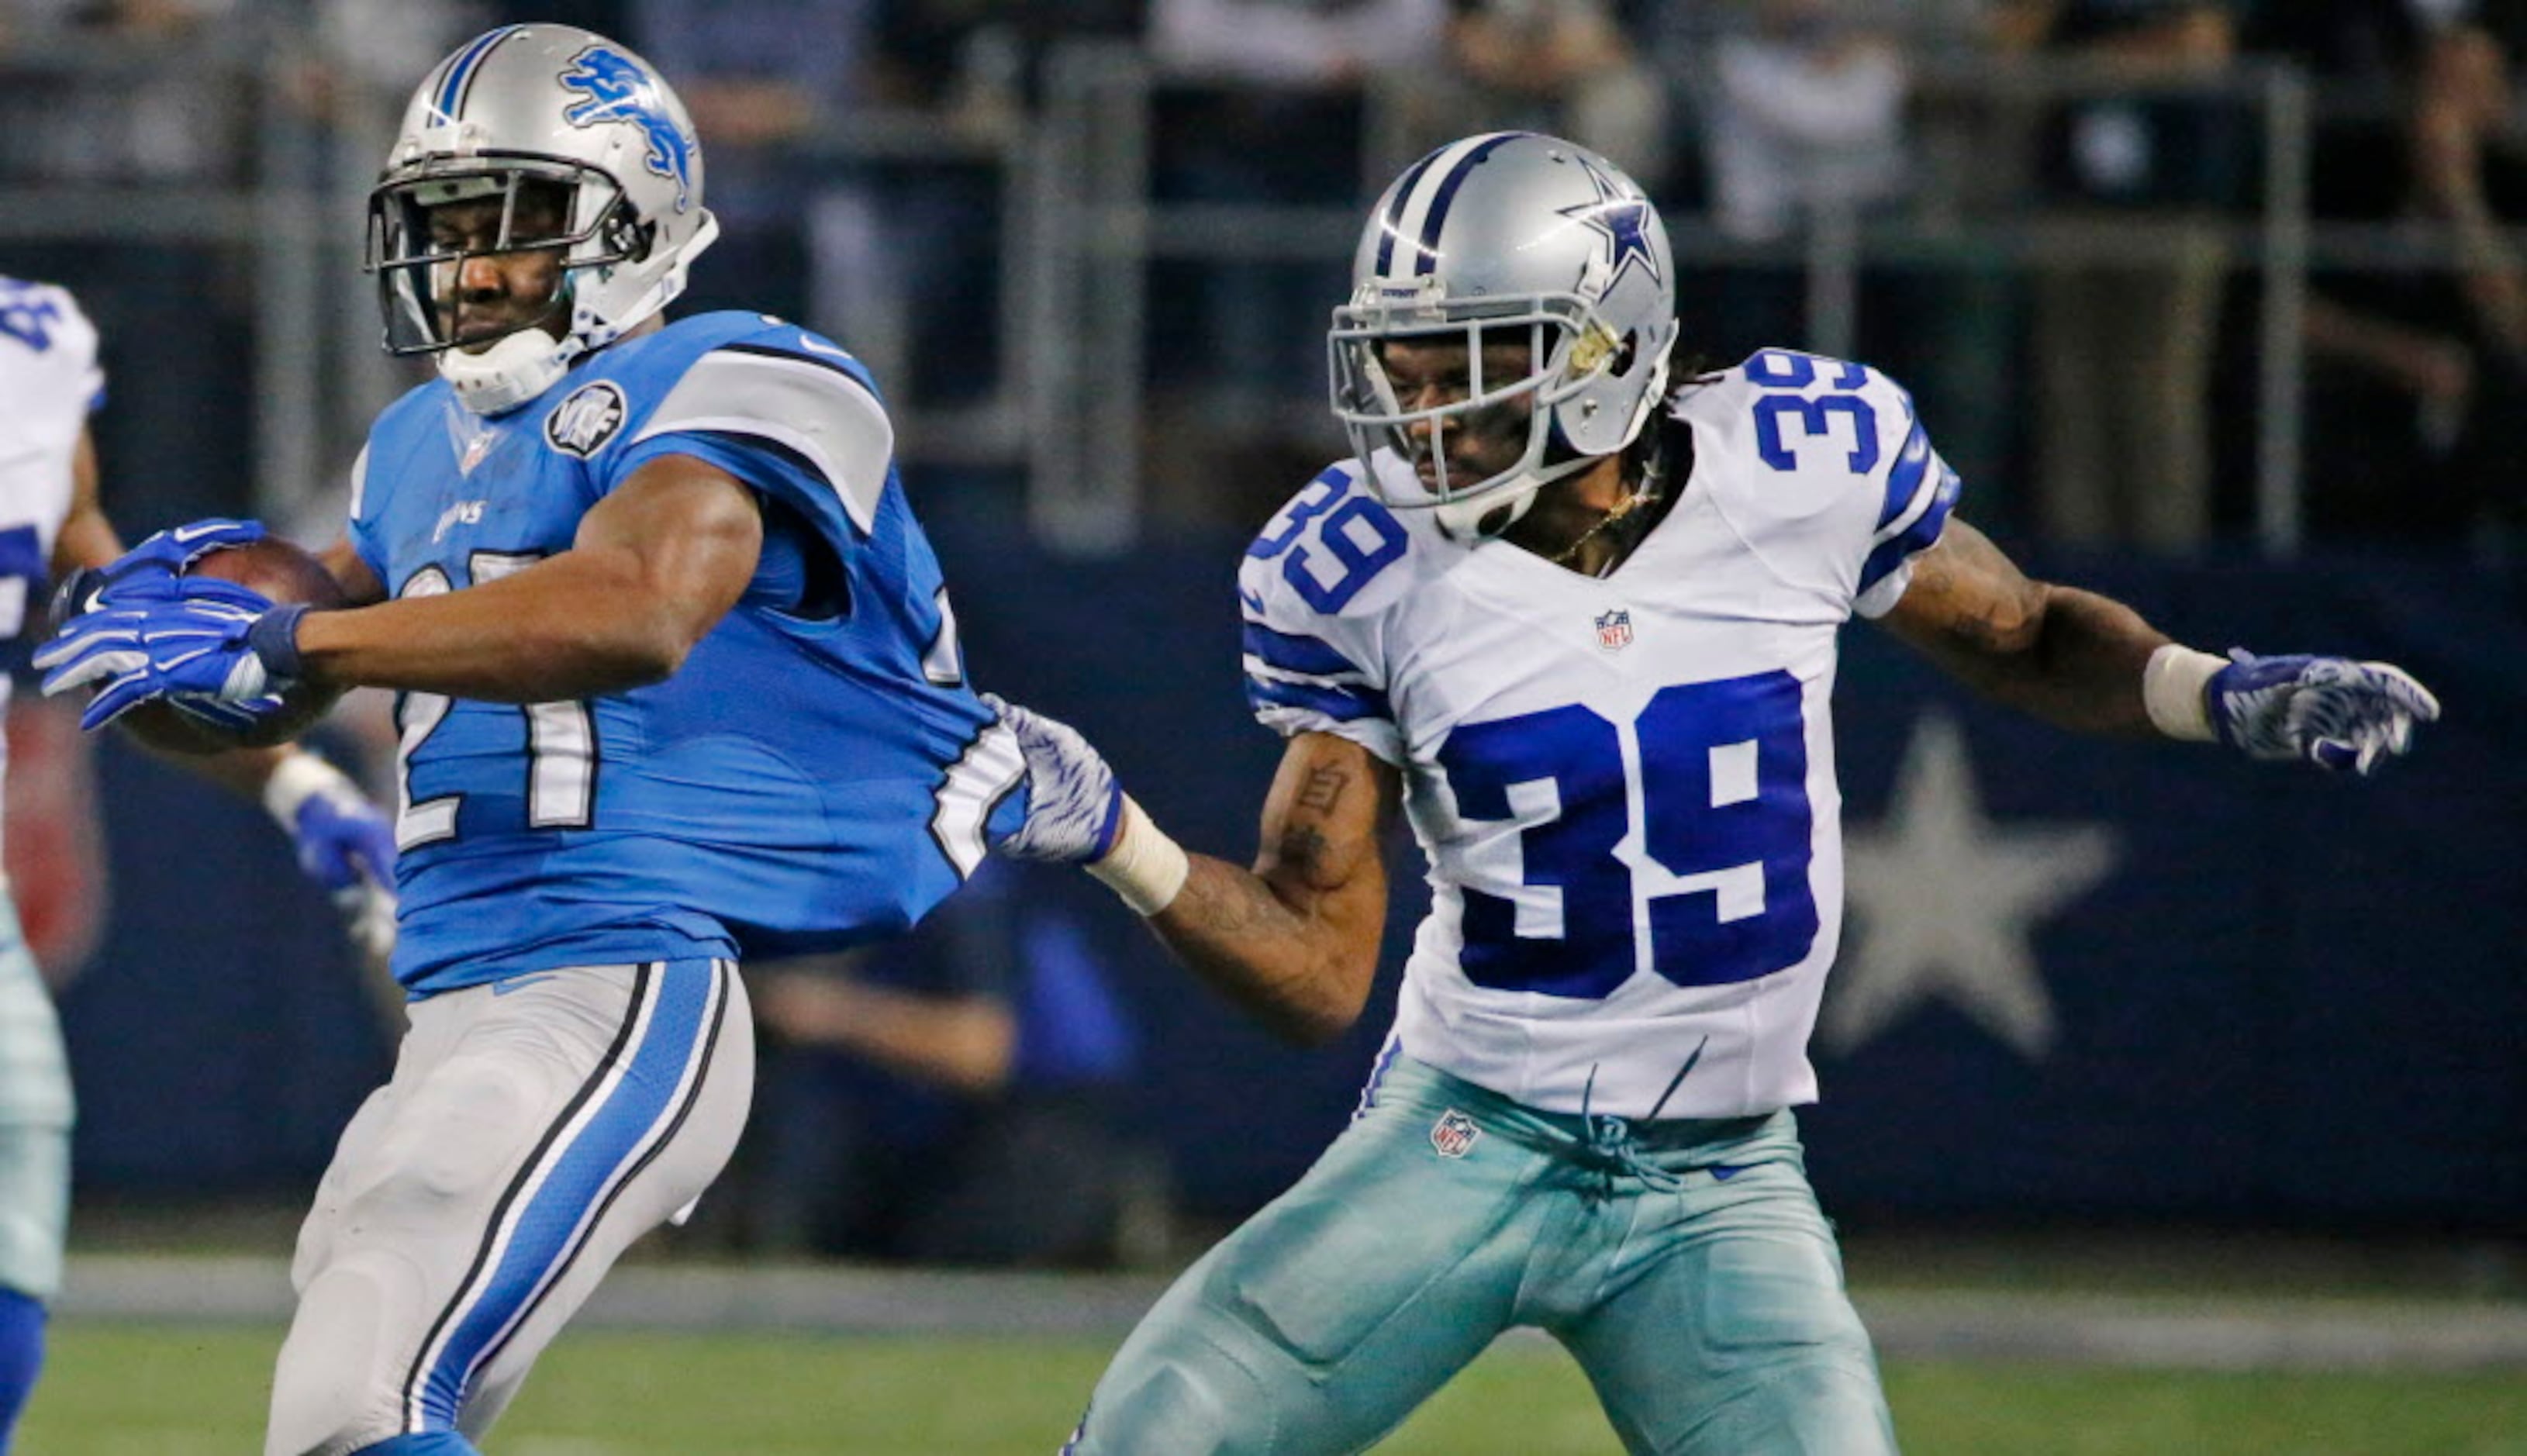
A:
<point x="619" y="91"/>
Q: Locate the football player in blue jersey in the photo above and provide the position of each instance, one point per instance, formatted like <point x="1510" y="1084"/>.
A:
<point x="678" y="684"/>
<point x="53" y="526"/>
<point x="1576" y="620"/>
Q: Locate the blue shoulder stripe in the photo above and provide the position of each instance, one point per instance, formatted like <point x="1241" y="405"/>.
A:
<point x="1906" y="478"/>
<point x="1924" y="529"/>
<point x="1341" y="703"/>
<point x="1292" y="652"/>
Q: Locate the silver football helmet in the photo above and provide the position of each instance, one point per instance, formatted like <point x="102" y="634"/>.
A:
<point x="573" y="115"/>
<point x="1494" y="234"/>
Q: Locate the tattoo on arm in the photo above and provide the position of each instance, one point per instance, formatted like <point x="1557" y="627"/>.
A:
<point x="1323" y="789"/>
<point x="1303" y="849"/>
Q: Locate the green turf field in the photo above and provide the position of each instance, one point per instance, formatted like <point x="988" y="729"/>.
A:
<point x="151" y="1391"/>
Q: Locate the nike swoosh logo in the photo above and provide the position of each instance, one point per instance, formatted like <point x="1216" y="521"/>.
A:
<point x="814" y="345"/>
<point x="1724" y="1172"/>
<point x="503" y="988"/>
<point x="196" y="532"/>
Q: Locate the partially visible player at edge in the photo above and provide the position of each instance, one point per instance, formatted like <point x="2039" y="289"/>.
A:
<point x="1579" y="622"/>
<point x="680" y="684"/>
<point x="51" y="527"/>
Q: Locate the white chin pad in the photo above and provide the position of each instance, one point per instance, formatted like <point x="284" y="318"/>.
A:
<point x="509" y="373"/>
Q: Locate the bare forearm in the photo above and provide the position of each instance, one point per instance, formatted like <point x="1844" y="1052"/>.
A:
<point x="575" y="626"/>
<point x="2072" y="658"/>
<point x="1300" y="972"/>
<point x="2078" y="665"/>
<point x="966" y="1044"/>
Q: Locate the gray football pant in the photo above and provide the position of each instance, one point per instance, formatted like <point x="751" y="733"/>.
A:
<point x="35" y="1116"/>
<point x="530" y="1133"/>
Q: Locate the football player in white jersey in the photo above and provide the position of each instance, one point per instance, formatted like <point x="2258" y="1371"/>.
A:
<point x="1576" y="618"/>
<point x="51" y="525"/>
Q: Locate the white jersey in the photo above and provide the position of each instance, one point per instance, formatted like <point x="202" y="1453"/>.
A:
<point x="1624" y="787"/>
<point x="49" y="381"/>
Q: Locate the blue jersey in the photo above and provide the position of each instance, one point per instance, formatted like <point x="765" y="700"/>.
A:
<point x="818" y="775"/>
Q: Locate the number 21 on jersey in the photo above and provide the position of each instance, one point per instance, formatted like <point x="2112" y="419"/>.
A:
<point x="561" y="739"/>
<point x="1724" y="825"/>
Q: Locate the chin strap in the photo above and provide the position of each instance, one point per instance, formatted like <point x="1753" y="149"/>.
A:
<point x="509" y="373"/>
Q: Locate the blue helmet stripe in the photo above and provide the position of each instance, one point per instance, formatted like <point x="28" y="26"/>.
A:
<point x="1437" y="217"/>
<point x="451" y="100"/>
<point x="1394" y="218"/>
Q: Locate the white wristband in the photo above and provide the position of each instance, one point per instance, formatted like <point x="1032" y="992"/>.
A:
<point x="2172" y="689"/>
<point x="1145" y="866"/>
<point x="297" y="778"/>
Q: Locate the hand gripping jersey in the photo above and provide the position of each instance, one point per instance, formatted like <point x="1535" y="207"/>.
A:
<point x="1623" y="787"/>
<point x="815" y="775"/>
<point x="49" y="384"/>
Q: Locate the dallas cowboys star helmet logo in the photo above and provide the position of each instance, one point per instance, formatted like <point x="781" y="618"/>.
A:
<point x="1621" y="220"/>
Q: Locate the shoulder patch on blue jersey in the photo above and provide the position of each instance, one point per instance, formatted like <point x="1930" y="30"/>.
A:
<point x="817" y="408"/>
<point x="583" y="423"/>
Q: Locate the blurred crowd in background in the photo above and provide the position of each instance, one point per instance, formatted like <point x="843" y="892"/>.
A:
<point x="2062" y="209"/>
<point x="2061" y="220"/>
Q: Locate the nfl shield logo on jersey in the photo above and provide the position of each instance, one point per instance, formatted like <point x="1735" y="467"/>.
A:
<point x="1454" y="1134"/>
<point x="1615" y="629"/>
<point x="587" y="420"/>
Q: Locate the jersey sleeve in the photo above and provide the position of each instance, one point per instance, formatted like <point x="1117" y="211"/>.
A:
<point x="1311" y="619"/>
<point x="1825" y="472"/>
<point x="791" y="415"/>
<point x="1916" y="494"/>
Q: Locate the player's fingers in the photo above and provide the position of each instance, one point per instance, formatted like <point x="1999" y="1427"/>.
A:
<point x="2334" y="754"/>
<point x="83" y="635"/>
<point x="119" y="697"/>
<point x="99" y="663"/>
<point x="236" y="717"/>
<point x="181" y="546"/>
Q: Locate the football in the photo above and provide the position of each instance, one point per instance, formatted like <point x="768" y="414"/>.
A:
<point x="277" y="569"/>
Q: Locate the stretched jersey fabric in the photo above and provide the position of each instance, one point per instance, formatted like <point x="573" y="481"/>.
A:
<point x="49" y="384"/>
<point x="1623" y="787"/>
<point x="815" y="775"/>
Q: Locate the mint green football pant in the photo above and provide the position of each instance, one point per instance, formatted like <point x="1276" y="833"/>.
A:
<point x="1683" y="1263"/>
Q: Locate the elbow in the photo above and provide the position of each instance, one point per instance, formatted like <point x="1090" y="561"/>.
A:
<point x="1319" y="1020"/>
<point x="644" y="652"/>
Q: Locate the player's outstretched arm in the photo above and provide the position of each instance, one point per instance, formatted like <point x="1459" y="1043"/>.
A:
<point x="2089" y="663"/>
<point x="1294" y="940"/>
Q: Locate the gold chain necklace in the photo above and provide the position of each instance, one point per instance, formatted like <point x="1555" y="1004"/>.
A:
<point x="1648" y="491"/>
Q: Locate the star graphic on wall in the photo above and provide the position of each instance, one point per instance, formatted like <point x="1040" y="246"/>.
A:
<point x="1621" y="220"/>
<point x="1944" y="902"/>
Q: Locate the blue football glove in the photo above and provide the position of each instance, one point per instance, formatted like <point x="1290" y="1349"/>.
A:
<point x="2332" y="711"/>
<point x="149" y="569"/>
<point x="1074" y="806"/>
<point x="218" y="650"/>
<point x="345" y="844"/>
